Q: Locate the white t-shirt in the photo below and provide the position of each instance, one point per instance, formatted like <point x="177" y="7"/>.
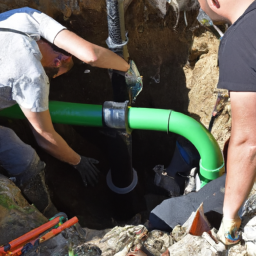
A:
<point x="22" y="77"/>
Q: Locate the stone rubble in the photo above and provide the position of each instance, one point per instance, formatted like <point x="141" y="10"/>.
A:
<point x="201" y="79"/>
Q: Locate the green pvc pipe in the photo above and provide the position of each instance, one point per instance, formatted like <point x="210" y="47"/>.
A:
<point x="211" y="164"/>
<point x="64" y="113"/>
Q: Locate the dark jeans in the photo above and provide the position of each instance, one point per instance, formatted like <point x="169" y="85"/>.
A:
<point x="16" y="157"/>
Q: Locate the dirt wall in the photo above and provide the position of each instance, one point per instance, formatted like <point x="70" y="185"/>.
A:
<point x="202" y="78"/>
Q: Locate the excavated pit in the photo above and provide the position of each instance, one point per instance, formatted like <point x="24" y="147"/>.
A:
<point x="160" y="54"/>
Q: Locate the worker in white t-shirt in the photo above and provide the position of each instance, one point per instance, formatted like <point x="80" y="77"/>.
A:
<point x="34" y="47"/>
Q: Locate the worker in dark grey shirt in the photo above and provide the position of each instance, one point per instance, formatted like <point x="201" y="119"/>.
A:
<point x="237" y="63"/>
<point x="35" y="47"/>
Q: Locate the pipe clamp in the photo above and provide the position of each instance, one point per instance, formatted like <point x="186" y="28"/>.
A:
<point x="111" y="45"/>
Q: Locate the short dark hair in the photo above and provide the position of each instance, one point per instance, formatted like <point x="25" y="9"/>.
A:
<point x="56" y="48"/>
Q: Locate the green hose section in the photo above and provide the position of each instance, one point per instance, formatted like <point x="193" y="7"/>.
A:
<point x="211" y="164"/>
<point x="64" y="113"/>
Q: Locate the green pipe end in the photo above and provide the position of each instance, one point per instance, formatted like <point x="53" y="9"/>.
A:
<point x="208" y="175"/>
<point x="203" y="181"/>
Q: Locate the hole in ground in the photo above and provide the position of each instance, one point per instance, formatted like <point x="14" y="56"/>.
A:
<point x="98" y="207"/>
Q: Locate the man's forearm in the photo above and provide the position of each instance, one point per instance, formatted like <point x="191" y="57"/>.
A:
<point x="241" y="170"/>
<point x="55" y="145"/>
<point x="107" y="59"/>
<point x="89" y="53"/>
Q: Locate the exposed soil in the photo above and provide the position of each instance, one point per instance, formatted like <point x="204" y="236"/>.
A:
<point x="202" y="79"/>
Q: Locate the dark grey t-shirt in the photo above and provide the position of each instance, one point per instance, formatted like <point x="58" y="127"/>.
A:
<point x="237" y="54"/>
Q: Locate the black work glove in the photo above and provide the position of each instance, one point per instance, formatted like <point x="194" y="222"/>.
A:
<point x="88" y="171"/>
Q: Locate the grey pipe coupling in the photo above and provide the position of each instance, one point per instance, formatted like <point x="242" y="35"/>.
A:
<point x="115" y="114"/>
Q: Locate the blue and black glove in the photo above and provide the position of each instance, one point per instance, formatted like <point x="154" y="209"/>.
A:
<point x="133" y="81"/>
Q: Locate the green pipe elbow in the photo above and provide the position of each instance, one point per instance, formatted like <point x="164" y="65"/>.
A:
<point x="211" y="164"/>
<point x="64" y="113"/>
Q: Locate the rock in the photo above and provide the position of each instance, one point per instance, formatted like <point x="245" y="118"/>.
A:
<point x="191" y="246"/>
<point x="237" y="250"/>
<point x="111" y="242"/>
<point x="249" y="236"/>
<point x="16" y="214"/>
<point x="157" y="242"/>
<point x="251" y="249"/>
<point x="178" y="233"/>
<point x="253" y="191"/>
<point x="216" y="247"/>
<point x="248" y="245"/>
<point x="88" y="249"/>
<point x="121" y="240"/>
<point x="249" y="208"/>
<point x="67" y="241"/>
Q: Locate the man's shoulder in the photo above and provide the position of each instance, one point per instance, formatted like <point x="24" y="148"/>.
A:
<point x="237" y="55"/>
<point x="244" y="28"/>
<point x="20" y="19"/>
<point x="240" y="36"/>
<point x="23" y="10"/>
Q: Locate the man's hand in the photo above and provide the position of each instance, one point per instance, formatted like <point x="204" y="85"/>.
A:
<point x="88" y="171"/>
<point x="228" y="232"/>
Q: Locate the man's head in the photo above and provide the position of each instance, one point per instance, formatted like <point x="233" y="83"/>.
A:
<point x="55" y="60"/>
<point x="225" y="10"/>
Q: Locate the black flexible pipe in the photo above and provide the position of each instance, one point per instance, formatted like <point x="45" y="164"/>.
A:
<point x="114" y="29"/>
<point x="119" y="141"/>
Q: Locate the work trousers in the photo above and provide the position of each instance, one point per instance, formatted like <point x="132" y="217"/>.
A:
<point x="16" y="157"/>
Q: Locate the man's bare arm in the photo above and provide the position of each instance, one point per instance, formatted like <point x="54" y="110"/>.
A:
<point x="89" y="53"/>
<point x="241" y="164"/>
<point x="48" y="138"/>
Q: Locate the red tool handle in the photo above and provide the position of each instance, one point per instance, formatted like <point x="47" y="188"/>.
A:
<point x="46" y="237"/>
<point x="29" y="236"/>
<point x="18" y="251"/>
<point x="58" y="230"/>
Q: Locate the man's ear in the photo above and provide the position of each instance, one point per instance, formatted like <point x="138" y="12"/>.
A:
<point x="57" y="62"/>
<point x="214" y="4"/>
